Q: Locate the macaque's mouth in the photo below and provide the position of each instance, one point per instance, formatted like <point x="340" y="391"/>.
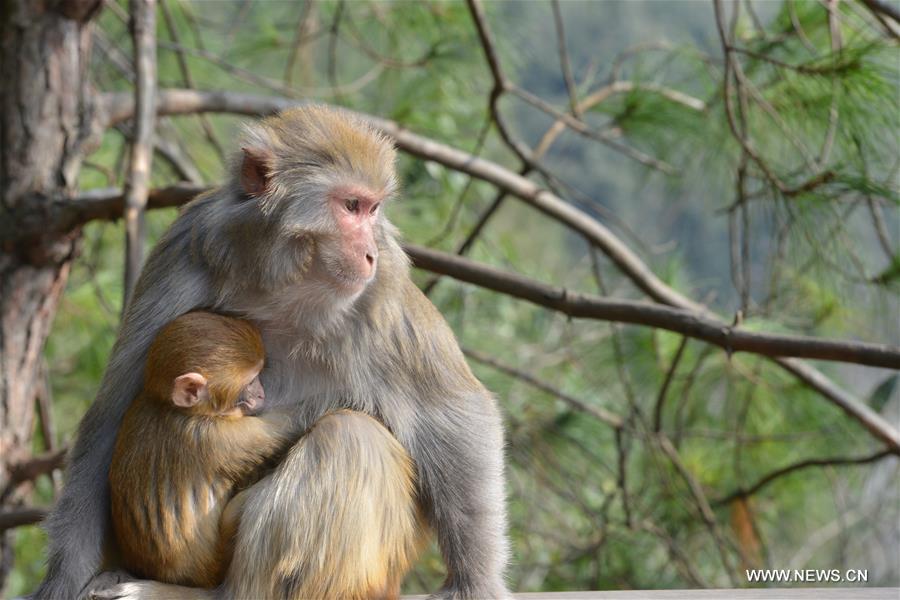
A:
<point x="249" y="406"/>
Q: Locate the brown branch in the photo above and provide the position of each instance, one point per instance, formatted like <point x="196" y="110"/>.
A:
<point x="564" y="62"/>
<point x="618" y="87"/>
<point x="20" y="517"/>
<point x="839" y="461"/>
<point x="143" y="33"/>
<point x="883" y="8"/>
<point x="622" y="474"/>
<point x="34" y="467"/>
<point x="188" y="79"/>
<point x="670" y="375"/>
<point x="104" y="204"/>
<point x="584" y="130"/>
<point x="698" y="326"/>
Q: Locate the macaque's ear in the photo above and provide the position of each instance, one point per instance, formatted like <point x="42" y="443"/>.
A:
<point x="189" y="389"/>
<point x="255" y="170"/>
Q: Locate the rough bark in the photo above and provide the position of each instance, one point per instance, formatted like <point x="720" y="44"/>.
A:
<point x="45" y="122"/>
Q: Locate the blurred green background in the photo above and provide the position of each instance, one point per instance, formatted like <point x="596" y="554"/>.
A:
<point x="591" y="507"/>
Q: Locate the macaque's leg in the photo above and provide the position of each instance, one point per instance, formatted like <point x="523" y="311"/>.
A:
<point x="337" y="519"/>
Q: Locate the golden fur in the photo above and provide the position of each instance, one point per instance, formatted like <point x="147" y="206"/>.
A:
<point x="174" y="470"/>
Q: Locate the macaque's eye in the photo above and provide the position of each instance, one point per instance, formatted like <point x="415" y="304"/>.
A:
<point x="352" y="205"/>
<point x="374" y="209"/>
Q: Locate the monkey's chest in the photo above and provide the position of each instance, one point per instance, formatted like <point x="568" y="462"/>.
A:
<point x="311" y="388"/>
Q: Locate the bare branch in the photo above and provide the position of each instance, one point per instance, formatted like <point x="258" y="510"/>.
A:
<point x="36" y="466"/>
<point x="21" y="516"/>
<point x="670" y="375"/>
<point x="208" y="130"/>
<point x="619" y="87"/>
<point x="838" y="461"/>
<point x="883" y="8"/>
<point x="137" y="186"/>
<point x="104" y="204"/>
<point x="564" y="62"/>
<point x="698" y="326"/>
<point x="705" y="510"/>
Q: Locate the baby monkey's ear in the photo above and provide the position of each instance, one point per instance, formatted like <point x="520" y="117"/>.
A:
<point x="189" y="389"/>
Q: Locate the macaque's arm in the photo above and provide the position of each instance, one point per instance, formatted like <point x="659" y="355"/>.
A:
<point x="231" y="517"/>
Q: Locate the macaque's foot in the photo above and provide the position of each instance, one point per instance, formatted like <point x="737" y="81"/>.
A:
<point x="118" y="585"/>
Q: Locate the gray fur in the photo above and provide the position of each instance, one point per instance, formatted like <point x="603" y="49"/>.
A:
<point x="387" y="353"/>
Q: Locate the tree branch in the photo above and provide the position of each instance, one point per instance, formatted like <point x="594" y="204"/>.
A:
<point x="64" y="214"/>
<point x="21" y="516"/>
<point x="36" y="466"/>
<point x="143" y="34"/>
<point x="797" y="466"/>
<point x="883" y="8"/>
<point x="698" y="326"/>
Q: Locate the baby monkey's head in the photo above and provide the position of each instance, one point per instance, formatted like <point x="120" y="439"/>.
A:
<point x="207" y="364"/>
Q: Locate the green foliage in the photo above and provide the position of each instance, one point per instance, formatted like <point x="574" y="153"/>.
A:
<point x="813" y="263"/>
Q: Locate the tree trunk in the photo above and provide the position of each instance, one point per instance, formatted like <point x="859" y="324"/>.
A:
<point x="45" y="122"/>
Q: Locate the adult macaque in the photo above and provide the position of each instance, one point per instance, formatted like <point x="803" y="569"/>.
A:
<point x="191" y="440"/>
<point x="298" y="244"/>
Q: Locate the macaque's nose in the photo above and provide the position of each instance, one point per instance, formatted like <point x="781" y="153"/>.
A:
<point x="367" y="268"/>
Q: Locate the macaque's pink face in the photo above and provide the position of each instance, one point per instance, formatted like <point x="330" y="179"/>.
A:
<point x="356" y="210"/>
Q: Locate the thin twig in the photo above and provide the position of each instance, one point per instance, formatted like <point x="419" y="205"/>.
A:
<point x="705" y="510"/>
<point x="838" y="461"/>
<point x="188" y="79"/>
<point x="670" y="375"/>
<point x="503" y="85"/>
<point x="564" y="62"/>
<point x="834" y="29"/>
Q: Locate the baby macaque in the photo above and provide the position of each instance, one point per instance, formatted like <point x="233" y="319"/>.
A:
<point x="189" y="443"/>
